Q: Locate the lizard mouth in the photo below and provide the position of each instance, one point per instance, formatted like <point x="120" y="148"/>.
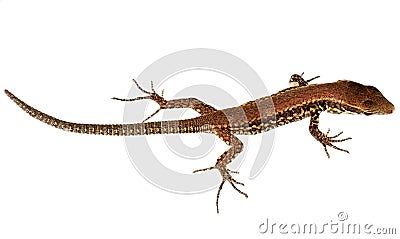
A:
<point x="387" y="109"/>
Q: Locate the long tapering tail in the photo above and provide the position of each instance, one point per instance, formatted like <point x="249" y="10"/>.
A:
<point x="159" y="127"/>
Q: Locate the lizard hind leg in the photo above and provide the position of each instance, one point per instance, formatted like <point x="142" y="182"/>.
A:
<point x="151" y="95"/>
<point x="193" y="103"/>
<point x="224" y="160"/>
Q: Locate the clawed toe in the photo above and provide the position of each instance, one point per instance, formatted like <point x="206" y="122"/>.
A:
<point x="231" y="171"/>
<point x="151" y="95"/>
<point x="328" y="140"/>
<point x="203" y="169"/>
<point x="232" y="181"/>
<point x="297" y="80"/>
<point x="226" y="176"/>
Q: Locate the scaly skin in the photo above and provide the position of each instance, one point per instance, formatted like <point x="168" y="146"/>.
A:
<point x="289" y="105"/>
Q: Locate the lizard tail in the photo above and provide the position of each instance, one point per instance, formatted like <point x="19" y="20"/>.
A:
<point x="194" y="125"/>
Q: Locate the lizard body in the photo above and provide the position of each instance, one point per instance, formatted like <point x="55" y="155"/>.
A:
<point x="257" y="116"/>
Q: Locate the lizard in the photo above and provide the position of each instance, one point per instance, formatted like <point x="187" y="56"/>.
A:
<point x="295" y="103"/>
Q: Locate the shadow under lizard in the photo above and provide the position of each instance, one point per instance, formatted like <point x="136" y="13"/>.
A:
<point x="253" y="117"/>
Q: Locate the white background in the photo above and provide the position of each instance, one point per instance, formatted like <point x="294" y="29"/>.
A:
<point x="67" y="58"/>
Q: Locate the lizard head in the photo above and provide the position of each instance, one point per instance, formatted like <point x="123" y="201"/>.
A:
<point x="364" y="99"/>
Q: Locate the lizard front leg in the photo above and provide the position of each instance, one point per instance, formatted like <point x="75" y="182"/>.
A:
<point x="324" y="139"/>
<point x="225" y="159"/>
<point x="297" y="80"/>
<point x="193" y="103"/>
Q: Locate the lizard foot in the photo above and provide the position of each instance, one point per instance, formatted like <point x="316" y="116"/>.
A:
<point x="326" y="140"/>
<point x="151" y="95"/>
<point x="226" y="176"/>
<point x="297" y="80"/>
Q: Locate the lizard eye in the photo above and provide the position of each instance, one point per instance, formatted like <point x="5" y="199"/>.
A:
<point x="367" y="103"/>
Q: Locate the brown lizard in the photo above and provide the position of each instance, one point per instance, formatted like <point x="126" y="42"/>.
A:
<point x="257" y="116"/>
